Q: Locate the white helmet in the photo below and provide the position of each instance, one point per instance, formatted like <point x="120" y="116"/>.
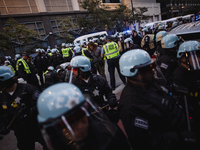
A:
<point x="63" y="44"/>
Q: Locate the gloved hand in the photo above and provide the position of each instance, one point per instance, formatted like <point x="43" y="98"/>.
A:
<point x="189" y="136"/>
<point x="112" y="102"/>
<point x="4" y="131"/>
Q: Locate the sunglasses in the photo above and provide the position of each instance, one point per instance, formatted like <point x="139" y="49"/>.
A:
<point x="72" y="69"/>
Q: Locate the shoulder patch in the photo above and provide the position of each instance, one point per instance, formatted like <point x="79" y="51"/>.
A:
<point x="163" y="65"/>
<point x="141" y="123"/>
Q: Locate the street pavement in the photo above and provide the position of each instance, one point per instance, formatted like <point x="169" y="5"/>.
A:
<point x="9" y="141"/>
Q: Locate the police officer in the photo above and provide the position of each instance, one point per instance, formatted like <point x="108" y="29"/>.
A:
<point x="7" y="63"/>
<point x="18" y="110"/>
<point x="50" y="77"/>
<point x="70" y="121"/>
<point x="188" y="75"/>
<point x="40" y="63"/>
<point x="66" y="52"/>
<point x="159" y="37"/>
<point x="56" y="59"/>
<point x="110" y="50"/>
<point x="151" y="118"/>
<point x="26" y="70"/>
<point x="168" y="61"/>
<point x="94" y="85"/>
<point x="148" y="42"/>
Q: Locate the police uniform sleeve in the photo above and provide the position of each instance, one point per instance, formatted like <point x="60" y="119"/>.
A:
<point x="21" y="72"/>
<point x="112" y="100"/>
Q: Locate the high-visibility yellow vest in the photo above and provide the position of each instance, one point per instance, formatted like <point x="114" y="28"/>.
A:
<point x="11" y="68"/>
<point x="45" y="72"/>
<point x="65" y="52"/>
<point x="26" y="67"/>
<point x="111" y="50"/>
<point x="50" y="54"/>
<point x="83" y="49"/>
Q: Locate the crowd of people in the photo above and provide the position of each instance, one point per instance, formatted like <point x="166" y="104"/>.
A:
<point x="62" y="99"/>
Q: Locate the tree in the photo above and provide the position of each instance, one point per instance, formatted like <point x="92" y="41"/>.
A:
<point x="101" y="15"/>
<point x="66" y="25"/>
<point x="139" y="14"/>
<point x="5" y="43"/>
<point x="17" y="33"/>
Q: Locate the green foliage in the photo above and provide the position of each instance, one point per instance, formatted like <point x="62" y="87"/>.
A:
<point x="66" y="24"/>
<point x="5" y="44"/>
<point x="101" y="17"/>
<point x="19" y="33"/>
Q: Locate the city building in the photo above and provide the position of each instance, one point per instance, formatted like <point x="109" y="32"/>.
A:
<point x="40" y="15"/>
<point x="174" y="8"/>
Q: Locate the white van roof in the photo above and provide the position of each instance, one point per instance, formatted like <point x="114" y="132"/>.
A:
<point x="85" y="37"/>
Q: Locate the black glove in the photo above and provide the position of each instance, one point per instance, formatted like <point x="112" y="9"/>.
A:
<point x="189" y="136"/>
<point x="4" y="131"/>
<point x="112" y="102"/>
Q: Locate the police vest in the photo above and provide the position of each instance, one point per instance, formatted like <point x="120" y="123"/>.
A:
<point x="151" y="41"/>
<point x="45" y="72"/>
<point x="10" y="66"/>
<point x="50" y="54"/>
<point x="65" y="52"/>
<point x="111" y="50"/>
<point x="26" y="67"/>
<point x="85" y="49"/>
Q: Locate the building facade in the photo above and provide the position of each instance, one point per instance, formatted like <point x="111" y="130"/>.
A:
<point x="40" y="15"/>
<point x="174" y="8"/>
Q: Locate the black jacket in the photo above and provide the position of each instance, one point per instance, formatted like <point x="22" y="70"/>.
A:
<point x="151" y="118"/>
<point x="50" y="78"/>
<point x="97" y="87"/>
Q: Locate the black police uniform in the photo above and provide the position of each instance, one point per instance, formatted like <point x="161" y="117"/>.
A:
<point x="137" y="40"/>
<point x="168" y="63"/>
<point x="40" y="63"/>
<point x="159" y="49"/>
<point x="96" y="87"/>
<point x="25" y="125"/>
<point x="151" y="118"/>
<point x="56" y="60"/>
<point x="190" y="80"/>
<point x="50" y="78"/>
<point x="30" y="78"/>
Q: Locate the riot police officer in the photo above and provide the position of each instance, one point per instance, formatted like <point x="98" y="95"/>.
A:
<point x="168" y="61"/>
<point x="111" y="52"/>
<point x="151" y="118"/>
<point x="40" y="63"/>
<point x="56" y="59"/>
<point x="70" y="121"/>
<point x="188" y="75"/>
<point x="18" y="111"/>
<point x="26" y="70"/>
<point x="159" y="37"/>
<point x="50" y="77"/>
<point x="94" y="85"/>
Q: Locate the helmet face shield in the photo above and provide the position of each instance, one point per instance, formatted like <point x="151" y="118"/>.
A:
<point x="73" y="129"/>
<point x="194" y="59"/>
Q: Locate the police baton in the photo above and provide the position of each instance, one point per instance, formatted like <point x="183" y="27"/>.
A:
<point x="71" y="73"/>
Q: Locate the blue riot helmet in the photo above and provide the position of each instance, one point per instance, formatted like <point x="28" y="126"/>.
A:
<point x="83" y="65"/>
<point x="17" y="56"/>
<point x="51" y="68"/>
<point x="7" y="62"/>
<point x="6" y="77"/>
<point x="133" y="60"/>
<point x="81" y="62"/>
<point x="38" y="50"/>
<point x="160" y="35"/>
<point x="170" y="41"/>
<point x="128" y="40"/>
<point x="174" y="24"/>
<point x="69" y="120"/>
<point x="189" y="55"/>
<point x="54" y="50"/>
<point x="77" y="50"/>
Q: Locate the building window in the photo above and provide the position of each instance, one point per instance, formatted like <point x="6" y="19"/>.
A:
<point x="58" y="5"/>
<point x="111" y="1"/>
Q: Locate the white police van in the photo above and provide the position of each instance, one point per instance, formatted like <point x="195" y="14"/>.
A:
<point x="90" y="36"/>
